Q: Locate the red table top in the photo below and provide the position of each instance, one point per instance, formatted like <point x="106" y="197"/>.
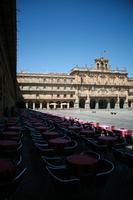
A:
<point x="7" y="170"/>
<point x="78" y="159"/>
<point x="8" y="143"/>
<point x="50" y="133"/>
<point x="14" y="128"/>
<point x="59" y="141"/>
<point x="37" y="123"/>
<point x="107" y="139"/>
<point x="11" y="133"/>
<point x="41" y="128"/>
<point x="74" y="127"/>
<point x="86" y="131"/>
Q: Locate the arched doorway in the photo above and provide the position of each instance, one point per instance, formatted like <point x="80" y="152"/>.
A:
<point x="112" y="103"/>
<point x="37" y="105"/>
<point x="71" y="104"/>
<point x="51" y="105"/>
<point x="64" y="105"/>
<point x="102" y="104"/>
<point x="44" y="104"/>
<point x="30" y="104"/>
<point x="129" y="104"/>
<point x="121" y="103"/>
<point x="92" y="104"/>
<point x="82" y="103"/>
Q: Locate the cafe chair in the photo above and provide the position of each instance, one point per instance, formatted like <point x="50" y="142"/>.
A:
<point x="118" y="154"/>
<point x="129" y="159"/>
<point x="54" y="161"/>
<point x="104" y="170"/>
<point x="43" y="147"/>
<point x="121" y="143"/>
<point x="8" y="187"/>
<point x="63" y="178"/>
<point x="71" y="147"/>
<point x="92" y="154"/>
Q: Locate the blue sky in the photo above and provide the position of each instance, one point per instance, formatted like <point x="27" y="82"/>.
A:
<point x="56" y="35"/>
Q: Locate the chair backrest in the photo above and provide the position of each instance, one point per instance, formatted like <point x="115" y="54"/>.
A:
<point x="92" y="154"/>
<point x="129" y="158"/>
<point x="118" y="154"/>
<point x="61" y="176"/>
<point x="104" y="170"/>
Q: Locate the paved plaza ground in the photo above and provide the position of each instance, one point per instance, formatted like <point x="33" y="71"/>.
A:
<point x="122" y="118"/>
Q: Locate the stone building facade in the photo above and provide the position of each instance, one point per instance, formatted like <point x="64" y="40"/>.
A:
<point x="8" y="93"/>
<point x="98" y="87"/>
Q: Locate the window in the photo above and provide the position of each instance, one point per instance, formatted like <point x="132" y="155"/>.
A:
<point x="71" y="95"/>
<point x="64" y="95"/>
<point x="58" y="87"/>
<point x="58" y="95"/>
<point x="64" y="87"/>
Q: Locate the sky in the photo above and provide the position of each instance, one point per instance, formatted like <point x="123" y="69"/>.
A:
<point x="56" y="35"/>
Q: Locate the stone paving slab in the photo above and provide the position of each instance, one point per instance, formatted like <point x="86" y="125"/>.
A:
<point x="118" y="118"/>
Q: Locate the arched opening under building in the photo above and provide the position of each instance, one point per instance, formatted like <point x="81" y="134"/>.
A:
<point x="44" y="104"/>
<point x="71" y="104"/>
<point x="30" y="104"/>
<point x="51" y="105"/>
<point x="64" y="105"/>
<point x="112" y="103"/>
<point x="81" y="103"/>
<point x="129" y="104"/>
<point x="37" y="104"/>
<point x="121" y="103"/>
<point x="92" y="104"/>
<point x="58" y="104"/>
<point x="102" y="104"/>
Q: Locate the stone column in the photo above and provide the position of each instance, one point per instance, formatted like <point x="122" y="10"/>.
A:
<point x="68" y="106"/>
<point x="48" y="105"/>
<point x="33" y="105"/>
<point x="117" y="104"/>
<point x="26" y="104"/>
<point x="96" y="106"/>
<point x="108" y="105"/>
<point x="76" y="104"/>
<point x="54" y="105"/>
<point x="40" y="105"/>
<point x="87" y="103"/>
<point x="61" y="106"/>
<point x="125" y="104"/>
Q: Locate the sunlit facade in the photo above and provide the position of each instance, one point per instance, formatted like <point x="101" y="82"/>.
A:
<point x="98" y="87"/>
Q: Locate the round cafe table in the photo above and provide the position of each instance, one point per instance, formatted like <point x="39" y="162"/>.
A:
<point x="107" y="139"/>
<point x="59" y="143"/>
<point x="7" y="171"/>
<point x="37" y="124"/>
<point x="74" y="128"/>
<point x="50" y="135"/>
<point x="41" y="128"/>
<point x="87" y="132"/>
<point x="82" y="163"/>
<point x="11" y="134"/>
<point x="14" y="128"/>
<point x="8" y="144"/>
